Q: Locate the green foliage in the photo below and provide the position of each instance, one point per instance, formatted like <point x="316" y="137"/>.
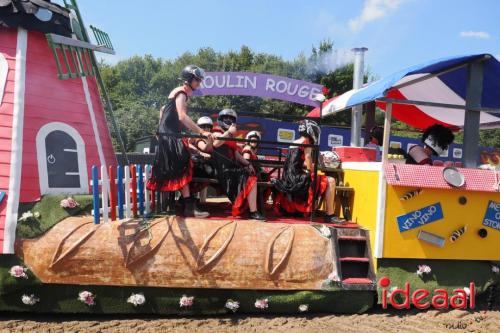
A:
<point x="490" y="138"/>
<point x="50" y="214"/>
<point x="138" y="86"/>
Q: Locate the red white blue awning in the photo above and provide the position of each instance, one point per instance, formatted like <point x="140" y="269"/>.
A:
<point x="442" y="81"/>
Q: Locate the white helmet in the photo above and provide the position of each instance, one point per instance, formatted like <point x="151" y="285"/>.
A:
<point x="433" y="144"/>
<point x="330" y="159"/>
<point x="252" y="134"/>
<point x="311" y="129"/>
<point x="205" y="121"/>
<point x="227" y="113"/>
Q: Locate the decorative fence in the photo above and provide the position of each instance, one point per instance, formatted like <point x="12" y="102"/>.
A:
<point x="121" y="192"/>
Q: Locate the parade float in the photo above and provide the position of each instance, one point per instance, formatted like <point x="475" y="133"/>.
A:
<point x="80" y="233"/>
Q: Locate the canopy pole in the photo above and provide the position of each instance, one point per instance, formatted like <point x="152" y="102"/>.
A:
<point x="387" y="132"/>
<point x="471" y="122"/>
<point x="357" y="111"/>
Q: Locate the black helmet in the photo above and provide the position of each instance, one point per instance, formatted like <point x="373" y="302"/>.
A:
<point x="438" y="138"/>
<point x="191" y="72"/>
<point x="227" y="113"/>
<point x="311" y="129"/>
<point x="377" y="132"/>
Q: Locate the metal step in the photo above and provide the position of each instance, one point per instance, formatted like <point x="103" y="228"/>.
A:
<point x="357" y="281"/>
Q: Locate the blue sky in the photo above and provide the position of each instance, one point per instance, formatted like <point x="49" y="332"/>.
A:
<point x="397" y="32"/>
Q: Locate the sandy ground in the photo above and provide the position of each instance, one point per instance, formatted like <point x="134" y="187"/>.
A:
<point x="376" y="321"/>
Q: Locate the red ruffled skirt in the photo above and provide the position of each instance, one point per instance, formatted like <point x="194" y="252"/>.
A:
<point x="173" y="167"/>
<point x="282" y="201"/>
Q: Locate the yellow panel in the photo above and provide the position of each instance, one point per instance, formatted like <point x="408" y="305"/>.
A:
<point x="469" y="246"/>
<point x="364" y="210"/>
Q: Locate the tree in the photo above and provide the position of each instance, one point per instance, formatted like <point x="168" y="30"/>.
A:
<point x="138" y="86"/>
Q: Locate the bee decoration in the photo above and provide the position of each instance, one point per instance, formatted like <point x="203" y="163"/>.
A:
<point x="458" y="233"/>
<point x="410" y="194"/>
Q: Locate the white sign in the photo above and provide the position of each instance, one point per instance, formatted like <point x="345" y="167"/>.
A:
<point x="335" y="140"/>
<point x="395" y="144"/>
<point x="285" y="135"/>
<point x="457" y="152"/>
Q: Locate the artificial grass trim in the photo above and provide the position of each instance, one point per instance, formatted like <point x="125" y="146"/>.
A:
<point x="113" y="299"/>
<point x="51" y="213"/>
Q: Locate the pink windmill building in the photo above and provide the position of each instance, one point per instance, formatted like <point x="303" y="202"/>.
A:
<point x="52" y="121"/>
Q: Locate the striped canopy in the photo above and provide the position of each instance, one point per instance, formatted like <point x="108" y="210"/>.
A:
<point x="441" y="81"/>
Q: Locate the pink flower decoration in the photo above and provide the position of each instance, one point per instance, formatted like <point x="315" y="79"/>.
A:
<point x="69" y="203"/>
<point x="423" y="269"/>
<point x="262" y="304"/>
<point x="186" y="302"/>
<point x="18" y="272"/>
<point x="86" y="297"/>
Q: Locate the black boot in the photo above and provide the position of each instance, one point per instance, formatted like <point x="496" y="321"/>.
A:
<point x="191" y="209"/>
<point x="256" y="216"/>
<point x="333" y="219"/>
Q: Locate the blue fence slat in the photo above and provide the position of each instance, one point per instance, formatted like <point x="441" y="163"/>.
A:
<point x="140" y="188"/>
<point x="95" y="194"/>
<point x="119" y="184"/>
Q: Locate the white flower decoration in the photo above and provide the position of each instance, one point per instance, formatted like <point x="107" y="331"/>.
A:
<point x="18" y="272"/>
<point x="495" y="269"/>
<point x="262" y="304"/>
<point x="423" y="269"/>
<point x="136" y="299"/>
<point x="303" y="307"/>
<point x="86" y="297"/>
<point x="26" y="216"/>
<point x="186" y="302"/>
<point x="325" y="231"/>
<point x="30" y="299"/>
<point x="232" y="305"/>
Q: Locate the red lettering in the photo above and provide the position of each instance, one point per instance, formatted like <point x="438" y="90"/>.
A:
<point x="416" y="298"/>
<point x="472" y="296"/>
<point x="405" y="293"/>
<point x="462" y="296"/>
<point x="441" y="294"/>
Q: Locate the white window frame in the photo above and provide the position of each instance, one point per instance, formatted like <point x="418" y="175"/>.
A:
<point x="42" y="162"/>
<point x="4" y="70"/>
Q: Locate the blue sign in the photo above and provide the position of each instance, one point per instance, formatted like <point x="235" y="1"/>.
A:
<point x="420" y="217"/>
<point x="492" y="216"/>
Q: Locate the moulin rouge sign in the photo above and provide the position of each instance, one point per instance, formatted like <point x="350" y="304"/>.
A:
<point x="460" y="299"/>
<point x="261" y="85"/>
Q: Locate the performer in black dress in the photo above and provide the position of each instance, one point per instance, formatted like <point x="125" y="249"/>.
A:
<point x="235" y="174"/>
<point x="295" y="190"/>
<point x="173" y="168"/>
<point x="436" y="140"/>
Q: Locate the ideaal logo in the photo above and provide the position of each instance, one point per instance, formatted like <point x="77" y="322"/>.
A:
<point x="420" y="217"/>
<point x="419" y="298"/>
